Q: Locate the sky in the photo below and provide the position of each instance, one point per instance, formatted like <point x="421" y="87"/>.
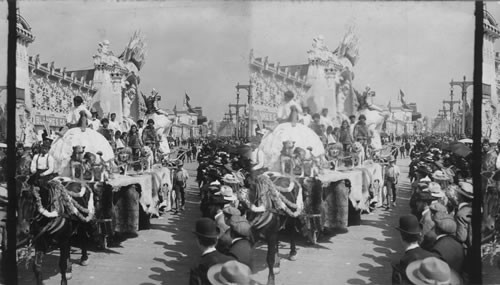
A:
<point x="417" y="47"/>
<point x="202" y="47"/>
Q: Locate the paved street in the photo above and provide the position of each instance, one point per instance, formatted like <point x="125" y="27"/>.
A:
<point x="164" y="254"/>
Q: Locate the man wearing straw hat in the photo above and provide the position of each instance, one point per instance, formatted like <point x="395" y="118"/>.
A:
<point x="231" y="272"/>
<point x="180" y="178"/>
<point x="390" y="181"/>
<point x="431" y="270"/>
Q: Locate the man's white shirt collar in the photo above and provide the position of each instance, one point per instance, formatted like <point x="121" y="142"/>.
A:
<point x="412" y="246"/>
<point x="209" y="250"/>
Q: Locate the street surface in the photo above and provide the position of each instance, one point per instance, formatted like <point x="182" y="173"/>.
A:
<point x="165" y="253"/>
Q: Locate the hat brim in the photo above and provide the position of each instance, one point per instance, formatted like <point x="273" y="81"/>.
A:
<point x="443" y="178"/>
<point x="230" y="198"/>
<point x="438" y="194"/>
<point x="412" y="270"/>
<point x="406" y="232"/>
<point x="215" y="277"/>
<point x="208" y="236"/>
<point x="213" y="274"/>
<point x="465" y="194"/>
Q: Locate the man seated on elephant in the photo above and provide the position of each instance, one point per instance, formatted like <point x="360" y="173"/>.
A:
<point x="150" y="137"/>
<point x="361" y="133"/>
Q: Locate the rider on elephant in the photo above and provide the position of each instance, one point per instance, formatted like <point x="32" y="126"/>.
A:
<point x="152" y="103"/>
<point x="78" y="116"/>
<point x="150" y="137"/>
<point x="289" y="109"/>
<point x="361" y="132"/>
<point x="42" y="167"/>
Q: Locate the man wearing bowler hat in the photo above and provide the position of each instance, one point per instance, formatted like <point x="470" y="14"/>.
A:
<point x="410" y="231"/>
<point x="206" y="232"/>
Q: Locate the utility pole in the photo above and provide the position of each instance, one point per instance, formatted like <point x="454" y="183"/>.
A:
<point x="248" y="88"/>
<point x="464" y="84"/>
<point x="237" y="106"/>
<point x="452" y="103"/>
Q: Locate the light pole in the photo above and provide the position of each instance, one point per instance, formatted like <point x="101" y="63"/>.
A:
<point x="451" y="102"/>
<point x="464" y="84"/>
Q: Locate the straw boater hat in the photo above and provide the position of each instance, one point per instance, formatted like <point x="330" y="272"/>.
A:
<point x="227" y="193"/>
<point x="466" y="190"/>
<point x="229" y="178"/>
<point x="440" y="175"/>
<point x="426" y="179"/>
<point x="431" y="270"/>
<point x="231" y="272"/>
<point x="215" y="183"/>
<point x="436" y="190"/>
<point x="218" y="161"/>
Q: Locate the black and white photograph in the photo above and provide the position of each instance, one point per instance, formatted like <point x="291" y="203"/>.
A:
<point x="251" y="142"/>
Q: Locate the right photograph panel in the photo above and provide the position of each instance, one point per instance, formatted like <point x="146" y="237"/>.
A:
<point x="490" y="249"/>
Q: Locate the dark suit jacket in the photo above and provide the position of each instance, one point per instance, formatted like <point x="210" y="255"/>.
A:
<point x="198" y="275"/>
<point x="242" y="251"/>
<point x="451" y="251"/>
<point x="409" y="256"/>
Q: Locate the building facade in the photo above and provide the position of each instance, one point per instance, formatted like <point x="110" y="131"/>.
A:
<point x="490" y="114"/>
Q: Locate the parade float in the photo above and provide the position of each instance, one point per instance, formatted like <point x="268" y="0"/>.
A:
<point x="289" y="145"/>
<point x="88" y="154"/>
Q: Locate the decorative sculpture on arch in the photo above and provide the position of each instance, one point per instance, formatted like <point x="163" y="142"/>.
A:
<point x="160" y="117"/>
<point x="375" y="116"/>
<point x="319" y="50"/>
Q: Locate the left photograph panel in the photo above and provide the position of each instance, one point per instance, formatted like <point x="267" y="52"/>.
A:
<point x="3" y="135"/>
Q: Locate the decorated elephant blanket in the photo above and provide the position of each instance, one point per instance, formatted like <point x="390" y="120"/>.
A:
<point x="147" y="181"/>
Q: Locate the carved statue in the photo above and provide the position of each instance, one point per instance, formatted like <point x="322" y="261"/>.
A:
<point x="128" y="98"/>
<point x="319" y="50"/>
<point x="348" y="48"/>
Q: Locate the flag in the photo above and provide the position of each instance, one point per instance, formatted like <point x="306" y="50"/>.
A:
<point x="187" y="105"/>
<point x="403" y="103"/>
